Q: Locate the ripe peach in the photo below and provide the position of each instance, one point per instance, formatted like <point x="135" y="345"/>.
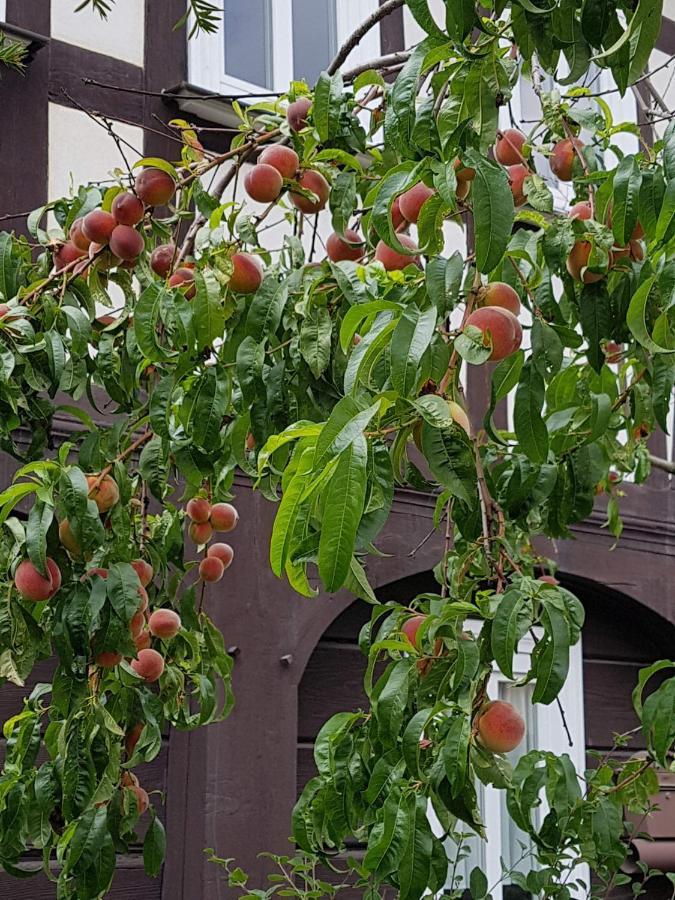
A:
<point x="397" y="218"/>
<point x="411" y="626"/>
<point x="68" y="539"/>
<point x="144" y="571"/>
<point x="98" y="225"/>
<point x="223" y="552"/>
<point x="502" y="327"/>
<point x="161" y="259"/>
<point x="55" y="574"/>
<point x="148" y="664"/>
<point x="459" y="416"/>
<point x="108" y="659"/>
<point x="517" y="175"/>
<point x="224" y="517"/>
<point x="636" y="250"/>
<point x="143" y="594"/>
<point x="463" y="189"/>
<point x="312" y="181"/>
<point x="198" y="509"/>
<point x="211" y="569"/>
<point x="613" y="352"/>
<point x="578" y="260"/>
<point x="154" y="187"/>
<point x="78" y="237"/>
<point x="31" y="585"/>
<point x="200" y="532"/>
<point x="4" y="309"/>
<point x="66" y="255"/>
<point x="263" y="183"/>
<point x="247" y="273"/>
<point x="127" y="209"/>
<point x="412" y="201"/>
<point x="509" y="147"/>
<point x="164" y="623"/>
<point x="498" y="293"/>
<point x="126" y="242"/>
<point x="638" y="232"/>
<point x="97" y="570"/>
<point x="548" y="579"/>
<point x="500" y="726"/>
<point x="392" y="259"/>
<point x="284" y="159"/>
<point x="563" y="157"/>
<point x="137" y="624"/>
<point x="142" y="799"/>
<point x="106" y="495"/>
<point x="181" y="278"/>
<point x="142" y="642"/>
<point x="463" y="173"/>
<point x="581" y="210"/>
<point x="296" y="114"/>
<point x="133" y="736"/>
<point x="337" y="249"/>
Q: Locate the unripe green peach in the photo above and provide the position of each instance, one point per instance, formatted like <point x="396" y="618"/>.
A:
<point x="498" y="293"/>
<point x="391" y="259"/>
<point x="500" y="726"/>
<point x="501" y="326"/>
<point x="263" y="183"/>
<point x="144" y="571"/>
<point x="164" y="623"/>
<point x="211" y="569"/>
<point x="411" y="626"/>
<point x="154" y="187"/>
<point x="127" y="209"/>
<point x="338" y="249"/>
<point x="517" y="175"/>
<point x="106" y="494"/>
<point x="563" y="157"/>
<point x="198" y="509"/>
<point x="149" y="665"/>
<point x="223" y="552"/>
<point x="284" y="159"/>
<point x="509" y="147"/>
<point x="224" y="517"/>
<point x="247" y="273"/>
<point x="412" y="201"/>
<point x="317" y="184"/>
<point x="126" y="243"/>
<point x="31" y="584"/>
<point x="200" y="532"/>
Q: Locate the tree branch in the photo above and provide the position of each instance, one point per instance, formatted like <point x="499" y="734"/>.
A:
<point x="380" y="62"/>
<point x="355" y="38"/>
<point x="664" y="464"/>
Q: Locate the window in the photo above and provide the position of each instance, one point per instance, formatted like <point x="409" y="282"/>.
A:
<point x="545" y="731"/>
<point x="263" y="45"/>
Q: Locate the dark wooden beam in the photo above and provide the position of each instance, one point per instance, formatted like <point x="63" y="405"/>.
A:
<point x="165" y="66"/>
<point x="392" y="36"/>
<point x="666" y="40"/>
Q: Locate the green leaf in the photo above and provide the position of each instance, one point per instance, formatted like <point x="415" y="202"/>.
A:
<point x="147" y="316"/>
<point x="388" y="839"/>
<point x="122" y="586"/>
<point x="39" y="519"/>
<point x="9" y="267"/>
<point x="455" y="752"/>
<point x="552" y="663"/>
<point x="344" y="502"/>
<point x="266" y="309"/>
<point x="208" y="310"/>
<point x="530" y="428"/>
<point x="390" y="705"/>
<point x="415" y="865"/>
<point x="342" y="201"/>
<point x="626" y="198"/>
<point x="422" y="15"/>
<point x="154" y="847"/>
<point x="410" y="340"/>
<point x="345" y="425"/>
<point x="450" y="458"/>
<point x="636" y="318"/>
<point x="209" y="408"/>
<point x="287" y="515"/>
<point x="478" y="883"/>
<point x="504" y="378"/>
<point x="643" y="677"/>
<point x="315" y="340"/>
<point x="493" y="210"/>
<point x="327" y="104"/>
<point x="510" y="623"/>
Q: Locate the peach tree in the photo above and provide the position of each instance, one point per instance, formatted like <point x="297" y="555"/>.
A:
<point x="151" y="320"/>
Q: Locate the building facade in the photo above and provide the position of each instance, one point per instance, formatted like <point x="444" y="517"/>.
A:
<point x="231" y="787"/>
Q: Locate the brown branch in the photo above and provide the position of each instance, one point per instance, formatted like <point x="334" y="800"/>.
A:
<point x="355" y="38"/>
<point x="665" y="464"/>
<point x="119" y="458"/>
<point x="380" y="62"/>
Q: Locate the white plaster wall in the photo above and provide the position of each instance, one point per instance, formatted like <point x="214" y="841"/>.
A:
<point x="81" y="151"/>
<point x="2" y="10"/>
<point x="669" y="9"/>
<point x="120" y="35"/>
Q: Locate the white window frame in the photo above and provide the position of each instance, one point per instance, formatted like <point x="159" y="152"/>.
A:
<point x="206" y="52"/>
<point x="550" y="736"/>
<point x="3" y="10"/>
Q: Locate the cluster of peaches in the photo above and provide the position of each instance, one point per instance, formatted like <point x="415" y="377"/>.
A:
<point x="563" y="160"/>
<point x="204" y="520"/>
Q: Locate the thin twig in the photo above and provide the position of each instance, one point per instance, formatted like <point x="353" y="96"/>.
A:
<point x="355" y="38"/>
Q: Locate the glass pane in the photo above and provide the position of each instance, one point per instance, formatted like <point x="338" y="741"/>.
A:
<point x="314" y="37"/>
<point x="516" y="845"/>
<point x="248" y="41"/>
